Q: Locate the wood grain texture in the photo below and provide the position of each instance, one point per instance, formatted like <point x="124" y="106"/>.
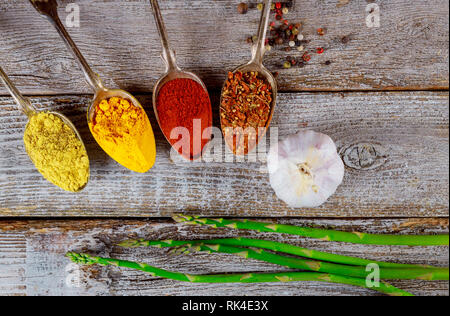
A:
<point x="408" y="51"/>
<point x="32" y="258"/>
<point x="395" y="146"/>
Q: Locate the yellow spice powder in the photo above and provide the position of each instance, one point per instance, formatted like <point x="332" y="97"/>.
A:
<point x="124" y="132"/>
<point x="56" y="151"/>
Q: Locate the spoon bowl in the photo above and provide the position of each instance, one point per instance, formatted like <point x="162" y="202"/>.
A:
<point x="172" y="70"/>
<point x="255" y="65"/>
<point x="30" y="110"/>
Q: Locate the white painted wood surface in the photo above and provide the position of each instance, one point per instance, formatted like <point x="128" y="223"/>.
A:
<point x="408" y="51"/>
<point x="406" y="175"/>
<point x="32" y="258"/>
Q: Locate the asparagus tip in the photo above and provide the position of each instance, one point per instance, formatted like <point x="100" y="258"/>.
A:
<point x="129" y="243"/>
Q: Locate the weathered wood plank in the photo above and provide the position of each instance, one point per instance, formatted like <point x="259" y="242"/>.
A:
<point x="395" y="146"/>
<point x="42" y="245"/>
<point x="408" y="51"/>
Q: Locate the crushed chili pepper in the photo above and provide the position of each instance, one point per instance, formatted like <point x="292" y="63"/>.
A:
<point x="244" y="109"/>
<point x="320" y="50"/>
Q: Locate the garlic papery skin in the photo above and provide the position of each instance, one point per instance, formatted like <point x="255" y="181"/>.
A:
<point x="305" y="169"/>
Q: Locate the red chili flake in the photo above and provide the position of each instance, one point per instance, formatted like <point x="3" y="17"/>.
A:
<point x="306" y="57"/>
<point x="286" y="22"/>
<point x="272" y="23"/>
<point x="278" y="5"/>
<point x="319" y="50"/>
<point x="321" y="31"/>
<point x="291" y="27"/>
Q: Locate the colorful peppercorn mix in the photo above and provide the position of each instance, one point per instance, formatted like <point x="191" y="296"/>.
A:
<point x="287" y="36"/>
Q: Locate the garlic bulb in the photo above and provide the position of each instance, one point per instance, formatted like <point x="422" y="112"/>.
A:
<point x="305" y="169"/>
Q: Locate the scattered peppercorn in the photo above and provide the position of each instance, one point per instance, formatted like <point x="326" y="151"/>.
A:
<point x="242" y="8"/>
<point x="249" y="40"/>
<point x="306" y="57"/>
<point x="321" y="31"/>
<point x="285" y="33"/>
<point x="345" y="39"/>
<point x="279" y="41"/>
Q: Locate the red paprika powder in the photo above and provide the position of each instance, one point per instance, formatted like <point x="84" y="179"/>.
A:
<point x="179" y="103"/>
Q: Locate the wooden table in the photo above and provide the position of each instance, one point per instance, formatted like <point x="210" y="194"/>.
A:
<point x="384" y="99"/>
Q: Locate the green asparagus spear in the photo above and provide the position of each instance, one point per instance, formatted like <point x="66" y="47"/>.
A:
<point x="323" y="234"/>
<point x="236" y="278"/>
<point x="318" y="266"/>
<point x="274" y="246"/>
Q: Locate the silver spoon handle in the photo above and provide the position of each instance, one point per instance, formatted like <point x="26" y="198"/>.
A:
<point x="168" y="54"/>
<point x="23" y="102"/>
<point x="91" y="77"/>
<point x="259" y="48"/>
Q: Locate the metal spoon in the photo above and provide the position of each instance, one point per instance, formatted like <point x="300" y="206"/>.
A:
<point x="26" y="106"/>
<point x="255" y="65"/>
<point x="172" y="69"/>
<point x="48" y="8"/>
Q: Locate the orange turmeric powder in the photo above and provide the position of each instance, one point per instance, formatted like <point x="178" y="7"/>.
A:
<point x="124" y="133"/>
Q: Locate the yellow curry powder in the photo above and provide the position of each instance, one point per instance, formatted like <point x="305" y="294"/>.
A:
<point x="56" y="151"/>
<point x="124" y="132"/>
